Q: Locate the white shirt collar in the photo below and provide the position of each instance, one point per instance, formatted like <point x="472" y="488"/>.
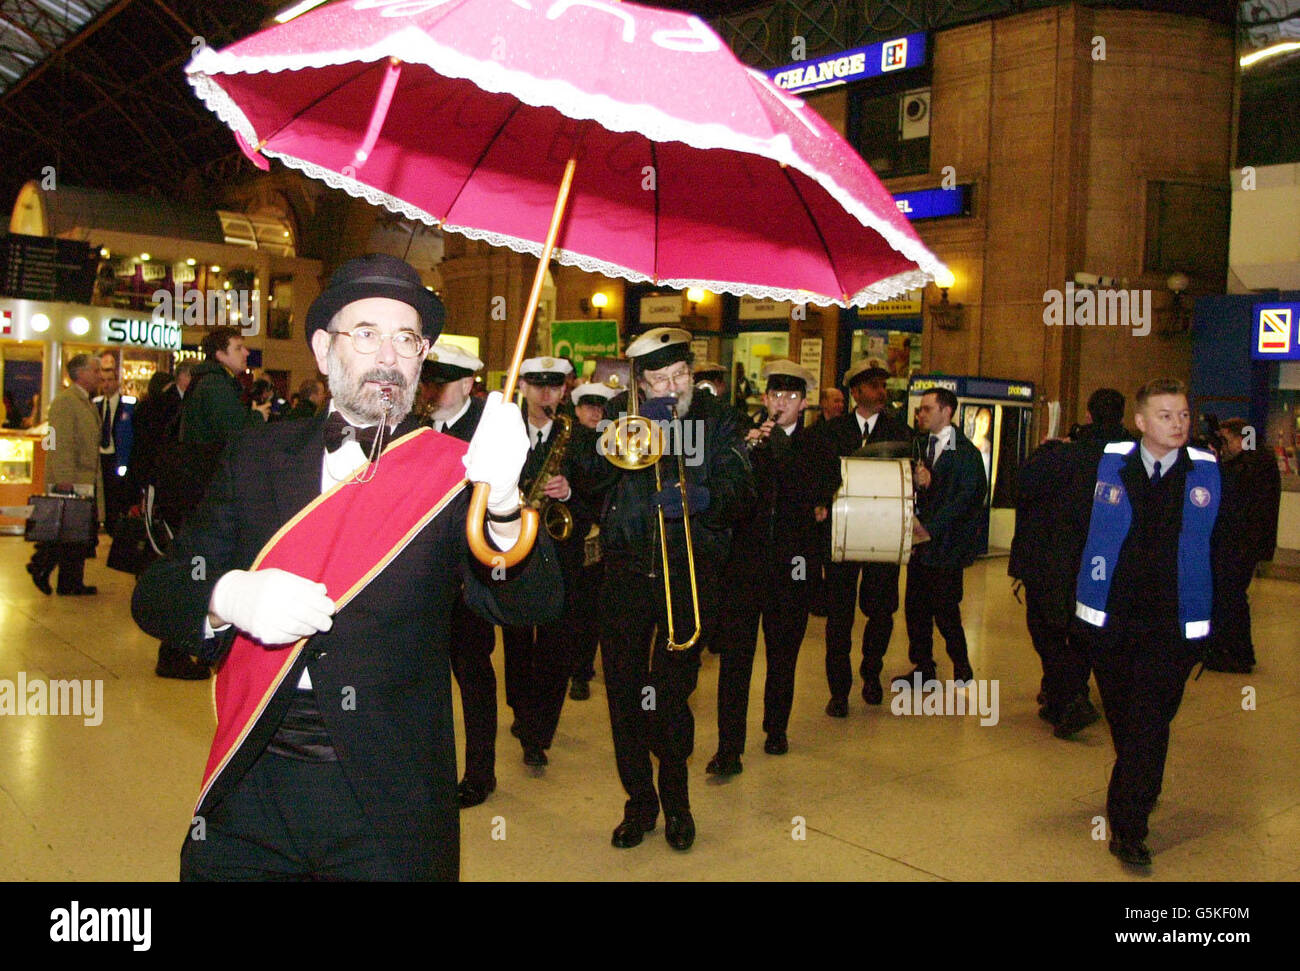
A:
<point x="866" y="425"/>
<point x="1149" y="461"/>
<point x="344" y="461"/>
<point x="534" y="429"/>
<point x="441" y="425"/>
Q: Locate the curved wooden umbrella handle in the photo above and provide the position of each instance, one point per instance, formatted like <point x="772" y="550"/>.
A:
<point x="478" y="544"/>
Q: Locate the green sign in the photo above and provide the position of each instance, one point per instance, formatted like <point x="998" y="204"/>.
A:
<point x="583" y="340"/>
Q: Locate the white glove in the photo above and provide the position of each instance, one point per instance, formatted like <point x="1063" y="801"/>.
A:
<point x="497" y="452"/>
<point x="272" y="606"/>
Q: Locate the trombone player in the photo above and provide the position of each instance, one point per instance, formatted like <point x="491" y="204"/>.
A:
<point x="649" y="685"/>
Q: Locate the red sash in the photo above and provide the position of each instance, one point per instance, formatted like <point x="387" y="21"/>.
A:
<point x="342" y="539"/>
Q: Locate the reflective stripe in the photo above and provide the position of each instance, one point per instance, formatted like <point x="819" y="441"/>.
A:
<point x="1197" y="628"/>
<point x="1092" y="616"/>
<point x="1201" y="454"/>
<point x="1121" y="448"/>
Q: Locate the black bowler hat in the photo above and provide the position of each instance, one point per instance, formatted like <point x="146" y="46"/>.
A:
<point x="377" y="275"/>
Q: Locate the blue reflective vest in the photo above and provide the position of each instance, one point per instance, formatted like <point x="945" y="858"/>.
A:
<point x="1112" y="515"/>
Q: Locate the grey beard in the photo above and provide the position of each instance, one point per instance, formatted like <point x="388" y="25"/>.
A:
<point x="684" y="399"/>
<point x="365" y="406"/>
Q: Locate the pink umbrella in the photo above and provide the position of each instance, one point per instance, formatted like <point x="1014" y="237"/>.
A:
<point x="674" y="162"/>
<point x="697" y="170"/>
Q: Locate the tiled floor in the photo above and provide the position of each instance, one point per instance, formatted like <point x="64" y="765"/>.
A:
<point x="876" y="796"/>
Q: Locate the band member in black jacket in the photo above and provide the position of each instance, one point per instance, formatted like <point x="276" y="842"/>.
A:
<point x="539" y="659"/>
<point x="648" y="686"/>
<point x="950" y="490"/>
<point x="775" y="552"/>
<point x="875" y="426"/>
<point x="344" y="764"/>
<point x="448" y="374"/>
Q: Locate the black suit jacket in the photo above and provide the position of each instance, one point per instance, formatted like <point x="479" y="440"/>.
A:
<point x="846" y="438"/>
<point x="951" y="507"/>
<point x="388" y="648"/>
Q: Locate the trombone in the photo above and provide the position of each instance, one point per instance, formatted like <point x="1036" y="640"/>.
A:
<point x="633" y="442"/>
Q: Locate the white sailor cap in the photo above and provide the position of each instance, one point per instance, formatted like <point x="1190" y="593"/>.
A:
<point x="447" y="362"/>
<point x="784" y="375"/>
<point x="599" y="392"/>
<point x="547" y="371"/>
<point x="868" y="369"/>
<point x="659" y="347"/>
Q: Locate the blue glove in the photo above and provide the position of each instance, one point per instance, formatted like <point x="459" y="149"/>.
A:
<point x="669" y="499"/>
<point x="659" y="409"/>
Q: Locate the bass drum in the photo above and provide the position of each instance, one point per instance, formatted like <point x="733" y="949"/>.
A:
<point x="872" y="514"/>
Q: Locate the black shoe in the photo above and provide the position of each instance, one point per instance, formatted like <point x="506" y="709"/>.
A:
<point x="1049" y="714"/>
<point x="927" y="674"/>
<point x="1224" y="664"/>
<point x="631" y="831"/>
<point x="179" y="665"/>
<point x="42" y="580"/>
<point x="579" y="690"/>
<point x="1076" y="716"/>
<point x="872" y="693"/>
<point x="838" y="707"/>
<point x="724" y="765"/>
<point x="533" y="755"/>
<point x="472" y="793"/>
<point x="679" y="830"/>
<point x="515" y="730"/>
<point x="776" y="744"/>
<point x="963" y="674"/>
<point x="1042" y="698"/>
<point x="85" y="590"/>
<point x="1132" y="852"/>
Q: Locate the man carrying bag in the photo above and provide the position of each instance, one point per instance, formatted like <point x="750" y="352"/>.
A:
<point x="73" y="460"/>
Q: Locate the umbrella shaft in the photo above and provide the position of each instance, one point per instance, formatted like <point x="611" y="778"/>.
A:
<point x="544" y="260"/>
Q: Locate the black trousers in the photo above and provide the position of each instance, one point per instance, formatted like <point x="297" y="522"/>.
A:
<point x="1230" y="614"/>
<point x="69" y="558"/>
<point x="781" y="604"/>
<point x="933" y="599"/>
<point x="877" y="597"/>
<point x="292" y="820"/>
<point x="472" y="640"/>
<point x="1065" y="663"/>
<point x="648" y="687"/>
<point x="117" y="492"/>
<point x="539" y="661"/>
<point x="586" y="635"/>
<point x="1141" y="674"/>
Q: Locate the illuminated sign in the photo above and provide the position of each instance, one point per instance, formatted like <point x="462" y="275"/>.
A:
<point x="1276" y="334"/>
<point x="934" y="203"/>
<point x="898" y="54"/>
<point x="162" y="335"/>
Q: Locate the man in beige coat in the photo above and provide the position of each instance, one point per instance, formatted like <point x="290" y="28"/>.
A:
<point x="73" y="459"/>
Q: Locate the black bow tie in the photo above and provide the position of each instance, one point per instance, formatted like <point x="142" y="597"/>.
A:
<point x="338" y="431"/>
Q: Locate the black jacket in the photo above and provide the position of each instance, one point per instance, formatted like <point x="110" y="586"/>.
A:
<point x="1252" y="493"/>
<point x="792" y="476"/>
<point x="951" y="507"/>
<point x="389" y="644"/>
<point x="629" y="530"/>
<point x="845" y="438"/>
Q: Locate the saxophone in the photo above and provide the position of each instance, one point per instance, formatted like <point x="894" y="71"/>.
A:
<point x="555" y="515"/>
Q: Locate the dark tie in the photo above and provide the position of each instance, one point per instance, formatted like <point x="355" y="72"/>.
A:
<point x="538" y="443"/>
<point x="866" y="431"/>
<point x="339" y="430"/>
<point x="1155" y="476"/>
<point x="106" y="426"/>
<point x="930" y="450"/>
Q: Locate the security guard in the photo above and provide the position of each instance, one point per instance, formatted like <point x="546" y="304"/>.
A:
<point x="589" y="400"/>
<point x="446" y="385"/>
<point x="775" y="552"/>
<point x="648" y="686"/>
<point x="1144" y="595"/>
<point x="873" y="425"/>
<point x="539" y="660"/>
